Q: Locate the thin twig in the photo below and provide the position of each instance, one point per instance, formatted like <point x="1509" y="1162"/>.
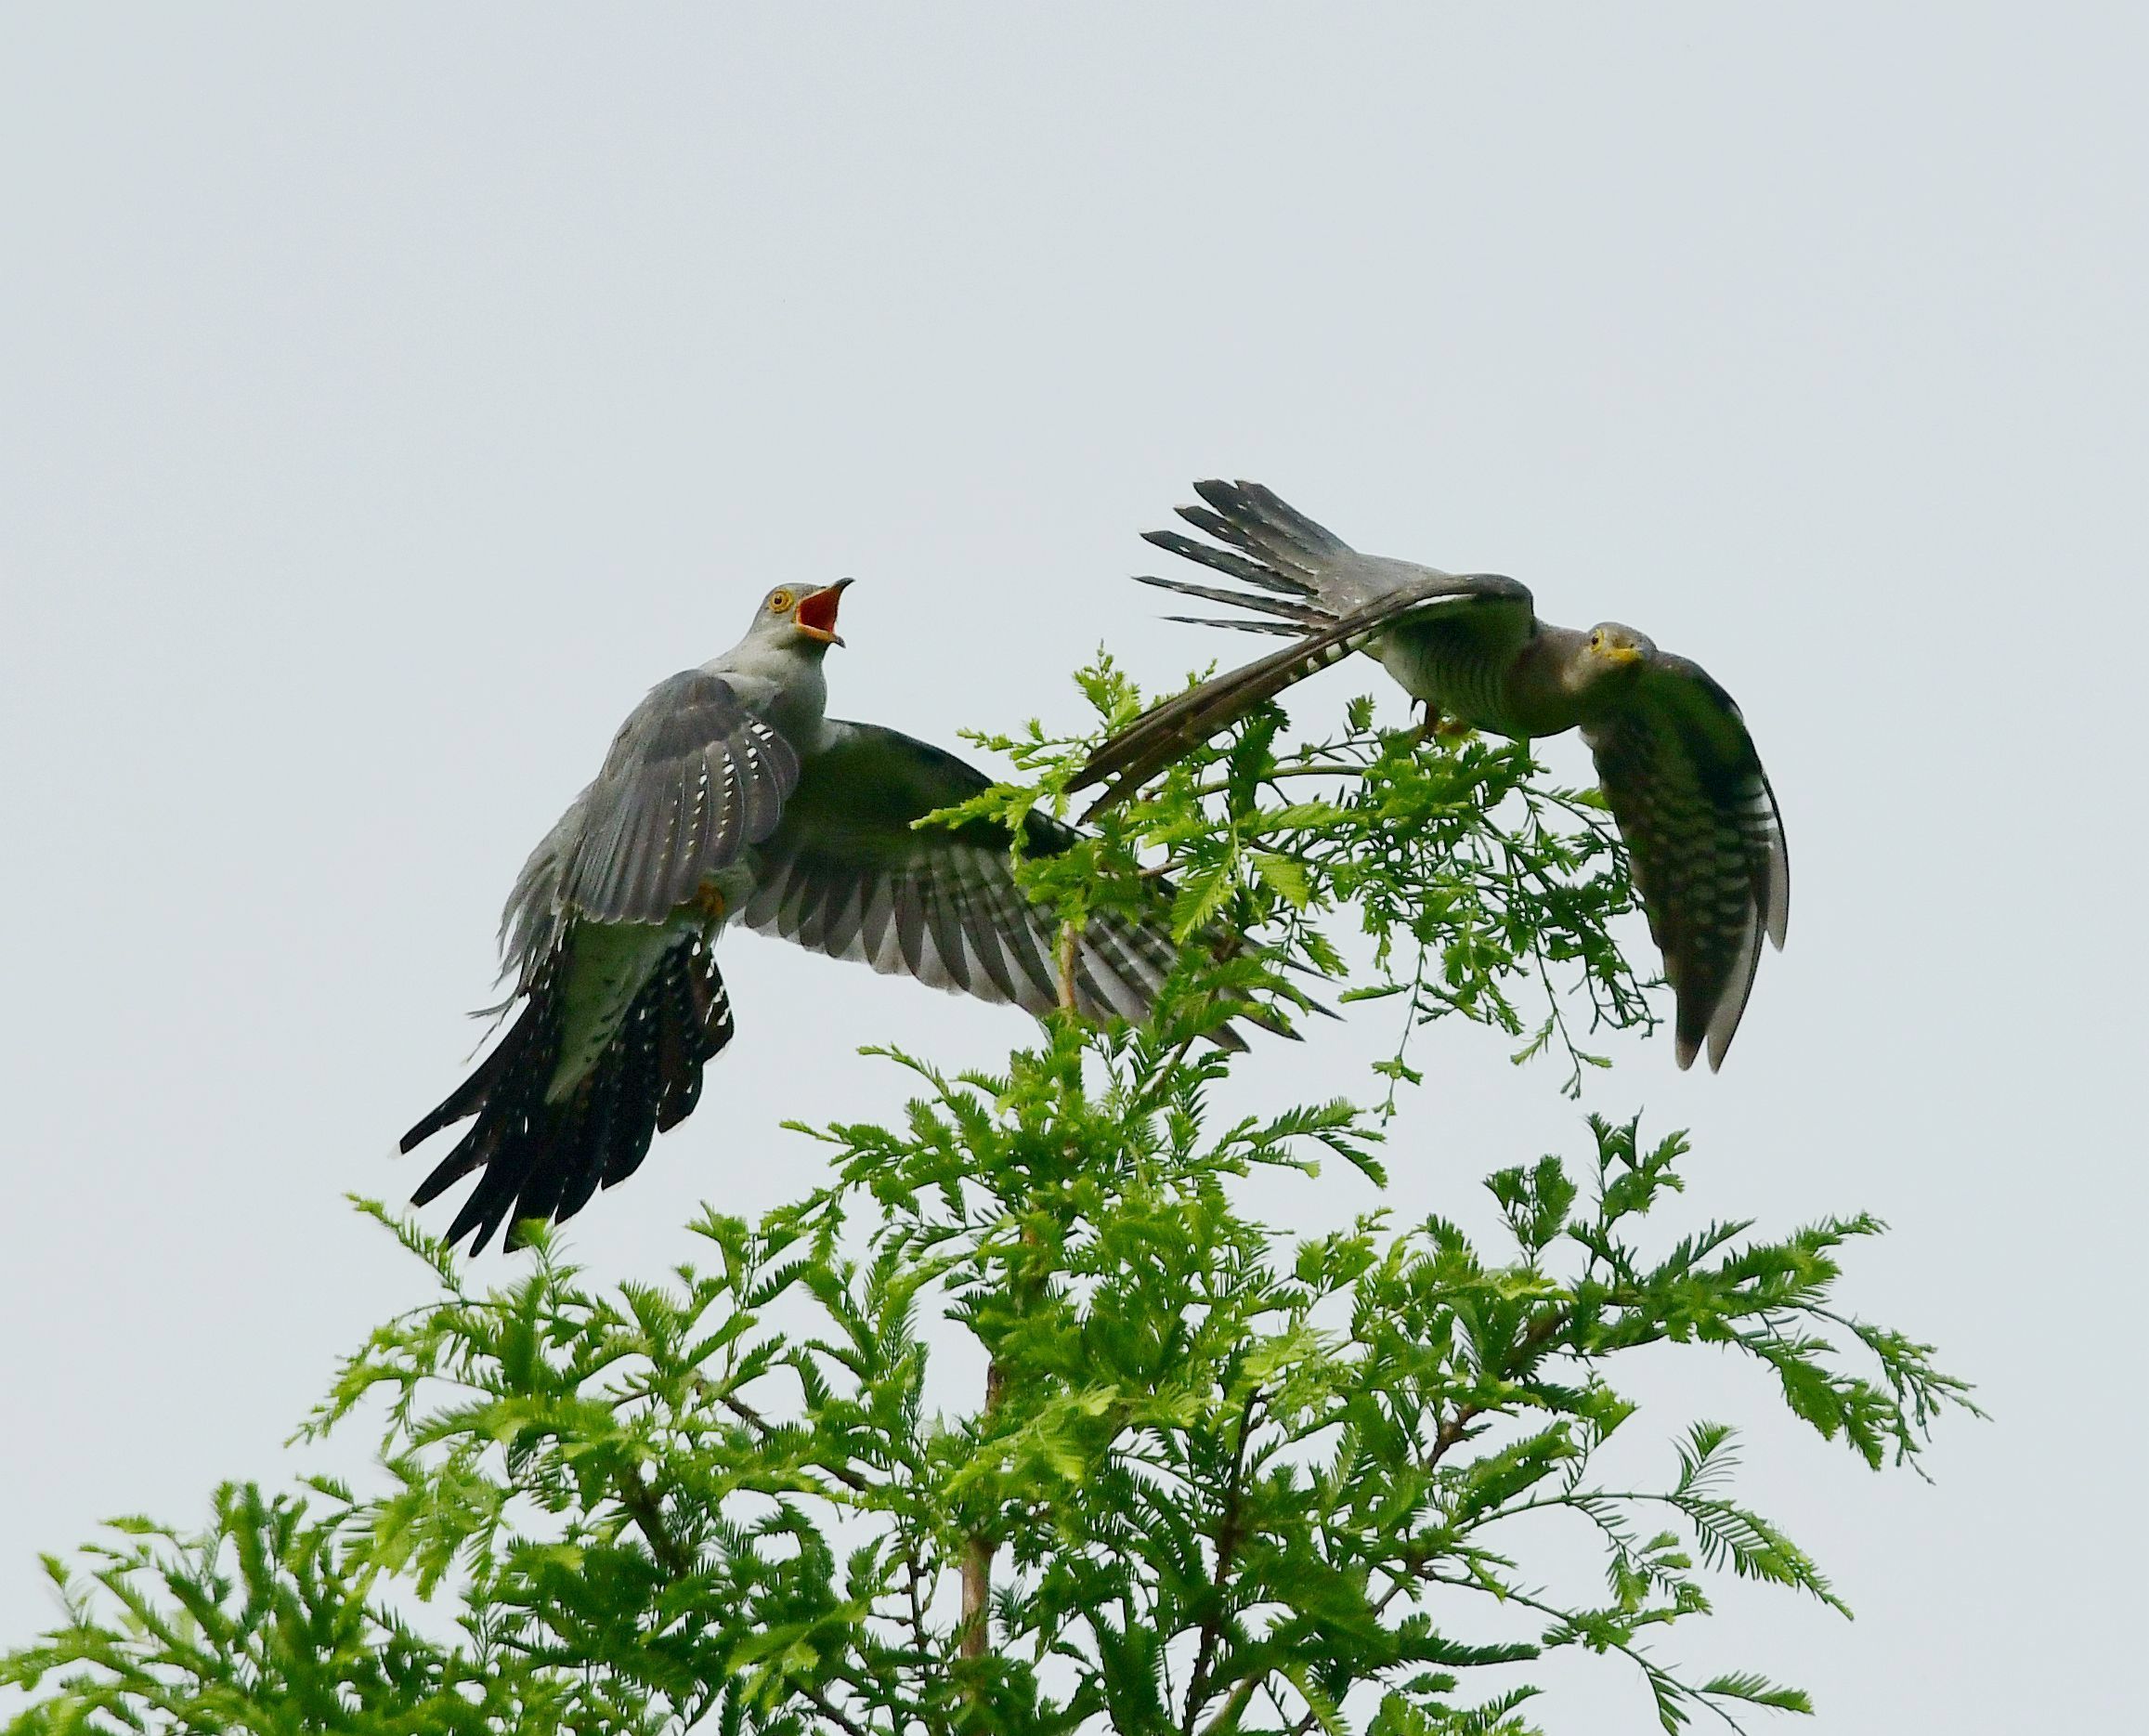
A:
<point x="1227" y="1543"/>
<point x="1228" y="1715"/>
<point x="1069" y="934"/>
<point x="821" y="1703"/>
<point x="647" y="1513"/>
<point x="753" y="1419"/>
<point x="1223" y="786"/>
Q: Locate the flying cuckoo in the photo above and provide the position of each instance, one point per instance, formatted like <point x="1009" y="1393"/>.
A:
<point x="1677" y="766"/>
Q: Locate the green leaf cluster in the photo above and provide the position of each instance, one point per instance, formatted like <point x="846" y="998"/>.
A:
<point x="1480" y="889"/>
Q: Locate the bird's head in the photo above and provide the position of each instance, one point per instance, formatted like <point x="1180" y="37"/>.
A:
<point x="795" y="620"/>
<point x="1611" y="648"/>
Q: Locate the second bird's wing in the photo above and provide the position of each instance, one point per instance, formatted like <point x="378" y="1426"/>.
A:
<point x="1702" y="828"/>
<point x="846" y="874"/>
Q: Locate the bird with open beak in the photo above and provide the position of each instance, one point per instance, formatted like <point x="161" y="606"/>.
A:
<point x="729" y="794"/>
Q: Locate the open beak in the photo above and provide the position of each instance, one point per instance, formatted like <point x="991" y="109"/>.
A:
<point x="815" y="616"/>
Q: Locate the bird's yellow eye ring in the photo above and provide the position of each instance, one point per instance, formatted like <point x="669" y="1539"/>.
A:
<point x="781" y="602"/>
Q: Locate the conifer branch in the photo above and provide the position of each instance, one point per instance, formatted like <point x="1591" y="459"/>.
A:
<point x="726" y="1497"/>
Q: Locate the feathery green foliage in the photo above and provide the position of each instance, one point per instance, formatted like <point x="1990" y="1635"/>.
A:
<point x="1209" y="1475"/>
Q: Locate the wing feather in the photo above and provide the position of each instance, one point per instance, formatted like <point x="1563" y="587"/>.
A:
<point x="1706" y="839"/>
<point x="995" y="973"/>
<point x="846" y="873"/>
<point x="692" y="779"/>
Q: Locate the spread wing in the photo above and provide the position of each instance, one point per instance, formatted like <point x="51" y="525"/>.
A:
<point x="1307" y="582"/>
<point x="692" y="778"/>
<point x="1706" y="839"/>
<point x="533" y="921"/>
<point x="846" y="875"/>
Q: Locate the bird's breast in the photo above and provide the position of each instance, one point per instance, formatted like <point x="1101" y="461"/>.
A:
<point x="1449" y="670"/>
<point x="607" y="965"/>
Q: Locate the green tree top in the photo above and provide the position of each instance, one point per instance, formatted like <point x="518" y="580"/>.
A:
<point x="1216" y="1477"/>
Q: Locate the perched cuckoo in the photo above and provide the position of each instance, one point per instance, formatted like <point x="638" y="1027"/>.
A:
<point x="1678" y="768"/>
<point x="730" y="792"/>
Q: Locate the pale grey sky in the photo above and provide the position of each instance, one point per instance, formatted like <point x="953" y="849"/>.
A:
<point x="387" y="400"/>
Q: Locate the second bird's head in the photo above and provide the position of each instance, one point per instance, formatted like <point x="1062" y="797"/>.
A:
<point x="799" y="621"/>
<point x="1611" y="648"/>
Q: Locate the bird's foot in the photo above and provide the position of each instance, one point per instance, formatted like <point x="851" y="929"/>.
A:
<point x="710" y="901"/>
<point x="1437" y="726"/>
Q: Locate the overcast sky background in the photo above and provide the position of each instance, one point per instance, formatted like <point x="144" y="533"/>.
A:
<point x="385" y="402"/>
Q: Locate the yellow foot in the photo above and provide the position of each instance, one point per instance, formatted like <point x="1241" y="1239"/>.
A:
<point x="710" y="901"/>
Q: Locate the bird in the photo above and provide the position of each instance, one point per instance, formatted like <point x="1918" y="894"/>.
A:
<point x="730" y="795"/>
<point x="1679" y="771"/>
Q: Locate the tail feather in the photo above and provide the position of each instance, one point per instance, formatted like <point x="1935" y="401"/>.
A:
<point x="1304" y="615"/>
<point x="1252" y="517"/>
<point x="699" y="1004"/>
<point x="1281" y="629"/>
<point x="1274" y="548"/>
<point x="1331" y="614"/>
<point x="466" y="1098"/>
<point x="514" y="1073"/>
<point x="543" y="1157"/>
<point x="678" y="1074"/>
<point x="1163" y="733"/>
<point x="1237" y="567"/>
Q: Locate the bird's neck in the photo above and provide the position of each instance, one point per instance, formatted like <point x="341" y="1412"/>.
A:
<point x="1542" y="698"/>
<point x="785" y="687"/>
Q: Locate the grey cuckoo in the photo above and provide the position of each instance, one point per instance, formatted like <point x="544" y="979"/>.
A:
<point x="1678" y="768"/>
<point x="730" y="792"/>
